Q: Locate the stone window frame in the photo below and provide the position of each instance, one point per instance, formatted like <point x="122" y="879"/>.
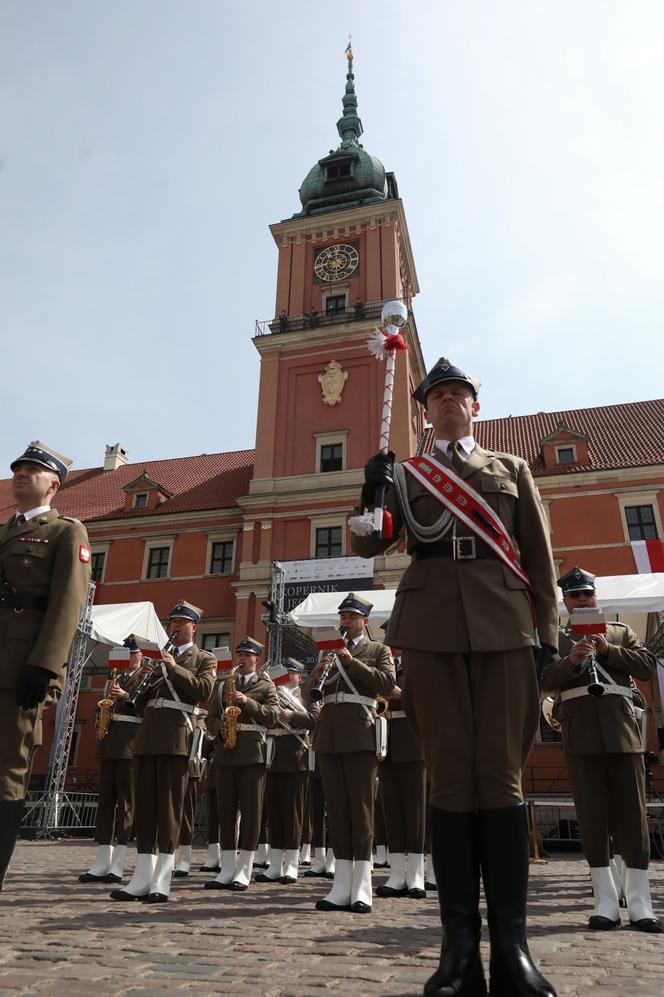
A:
<point x="220" y="538"/>
<point x="329" y="439"/>
<point x="154" y="544"/>
<point x="649" y="497"/>
<point x="327" y="523"/>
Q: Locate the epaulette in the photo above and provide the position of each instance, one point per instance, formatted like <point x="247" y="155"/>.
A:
<point x="70" y="519"/>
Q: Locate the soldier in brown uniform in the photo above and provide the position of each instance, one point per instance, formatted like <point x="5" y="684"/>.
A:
<point x="115" y="806"/>
<point x="464" y="615"/>
<point x="241" y="769"/>
<point x="161" y="752"/>
<point x="287" y="776"/>
<point x="44" y="575"/>
<point x="402" y="787"/>
<point x="345" y="743"/>
<point x="604" y="754"/>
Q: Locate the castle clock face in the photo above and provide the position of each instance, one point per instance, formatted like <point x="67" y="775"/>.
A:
<point x="336" y="262"/>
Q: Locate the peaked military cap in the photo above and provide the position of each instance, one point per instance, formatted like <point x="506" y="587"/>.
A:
<point x="444" y="370"/>
<point x="355" y="604"/>
<point x="185" y="611"/>
<point x="250" y="645"/>
<point x="576" y="580"/>
<point x="293" y="665"/>
<point x="131" y="643"/>
<point x="38" y="453"/>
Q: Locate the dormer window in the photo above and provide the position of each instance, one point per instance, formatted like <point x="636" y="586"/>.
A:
<point x="144" y="493"/>
<point x="339" y="171"/>
<point x="141" y="500"/>
<point x="565" y="455"/>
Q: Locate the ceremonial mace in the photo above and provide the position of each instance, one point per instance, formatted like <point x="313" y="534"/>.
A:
<point x="384" y="344"/>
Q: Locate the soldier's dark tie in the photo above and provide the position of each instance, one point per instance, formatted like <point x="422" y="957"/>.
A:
<point x="19" y="519"/>
<point x="457" y="456"/>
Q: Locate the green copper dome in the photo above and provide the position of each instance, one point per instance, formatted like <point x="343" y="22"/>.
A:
<point x="349" y="175"/>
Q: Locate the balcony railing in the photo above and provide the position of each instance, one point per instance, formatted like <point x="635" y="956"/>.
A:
<point x="361" y="311"/>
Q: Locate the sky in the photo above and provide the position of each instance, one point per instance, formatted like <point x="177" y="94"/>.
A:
<point x="146" y="145"/>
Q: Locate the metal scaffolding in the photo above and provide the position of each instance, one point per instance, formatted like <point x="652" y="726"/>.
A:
<point x="55" y="799"/>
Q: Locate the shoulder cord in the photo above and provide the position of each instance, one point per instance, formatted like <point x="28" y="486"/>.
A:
<point x="421" y="533"/>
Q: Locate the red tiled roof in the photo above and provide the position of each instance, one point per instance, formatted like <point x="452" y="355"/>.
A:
<point x="210" y="481"/>
<point x="627" y="435"/>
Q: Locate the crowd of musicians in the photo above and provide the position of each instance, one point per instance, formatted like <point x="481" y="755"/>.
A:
<point x="408" y="749"/>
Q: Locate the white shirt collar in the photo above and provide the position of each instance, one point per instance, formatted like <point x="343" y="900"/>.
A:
<point x="184" y="647"/>
<point x="33" y="513"/>
<point x="467" y="444"/>
<point x="356" y="640"/>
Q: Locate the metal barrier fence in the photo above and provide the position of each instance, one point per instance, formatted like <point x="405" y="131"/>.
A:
<point x="69" y="813"/>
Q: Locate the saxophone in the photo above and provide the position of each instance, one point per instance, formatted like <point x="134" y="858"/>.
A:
<point x="105" y="709"/>
<point x="231" y="712"/>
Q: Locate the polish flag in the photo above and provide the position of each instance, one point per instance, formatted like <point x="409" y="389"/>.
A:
<point x="278" y="674"/>
<point x="328" y="639"/>
<point x="649" y="556"/>
<point x="224" y="658"/>
<point x="118" y="657"/>
<point x="586" y="621"/>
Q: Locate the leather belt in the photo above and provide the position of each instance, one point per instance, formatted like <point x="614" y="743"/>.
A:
<point x="609" y="690"/>
<point x="170" y="704"/>
<point x="255" y="727"/>
<point x="350" y="697"/>
<point x="457" y="548"/>
<point x="124" y="719"/>
<point x="20" y="602"/>
<point x="395" y="714"/>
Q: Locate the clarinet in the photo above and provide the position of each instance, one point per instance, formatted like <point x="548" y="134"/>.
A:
<point x="318" y="691"/>
<point x="146" y="681"/>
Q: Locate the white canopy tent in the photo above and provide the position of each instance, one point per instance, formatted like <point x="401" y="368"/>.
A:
<point x="112" y="623"/>
<point x="615" y="594"/>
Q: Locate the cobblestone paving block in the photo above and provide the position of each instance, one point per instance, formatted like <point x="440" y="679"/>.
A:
<point x="61" y="937"/>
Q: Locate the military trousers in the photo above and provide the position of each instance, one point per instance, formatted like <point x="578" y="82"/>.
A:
<point x="212" y="815"/>
<point x="380" y="832"/>
<point x="285" y="793"/>
<point x="403" y="791"/>
<point x="240" y="787"/>
<point x="159" y="792"/>
<point x="20" y="736"/>
<point x="610" y="800"/>
<point x="475" y="716"/>
<point x="115" y="807"/>
<point x="307" y="822"/>
<point x="189" y="813"/>
<point x="349" y="783"/>
<point x="317" y="806"/>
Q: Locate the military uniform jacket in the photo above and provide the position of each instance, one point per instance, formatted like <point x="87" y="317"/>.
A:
<point x="450" y="605"/>
<point x="594" y="725"/>
<point x="260" y="710"/>
<point x="48" y="557"/>
<point x="402" y="743"/>
<point x="290" y="753"/>
<point x="166" y="731"/>
<point x="345" y="727"/>
<point x="119" y="742"/>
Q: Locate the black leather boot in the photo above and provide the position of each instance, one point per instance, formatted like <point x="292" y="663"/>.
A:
<point x="455" y="853"/>
<point x="11" y="812"/>
<point x="504" y="858"/>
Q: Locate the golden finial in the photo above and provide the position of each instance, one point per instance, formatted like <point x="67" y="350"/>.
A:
<point x="349" y="50"/>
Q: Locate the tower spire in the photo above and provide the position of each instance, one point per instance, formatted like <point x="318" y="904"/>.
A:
<point x="349" y="125"/>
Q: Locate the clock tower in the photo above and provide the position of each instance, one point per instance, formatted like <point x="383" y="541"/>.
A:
<point x="340" y="258"/>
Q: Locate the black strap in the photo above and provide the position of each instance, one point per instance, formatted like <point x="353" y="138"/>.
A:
<point x="17" y="601"/>
<point x="460" y="548"/>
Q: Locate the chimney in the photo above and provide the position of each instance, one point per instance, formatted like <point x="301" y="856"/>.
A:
<point x="115" y="457"/>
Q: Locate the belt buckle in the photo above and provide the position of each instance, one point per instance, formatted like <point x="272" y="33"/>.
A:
<point x="464" y="549"/>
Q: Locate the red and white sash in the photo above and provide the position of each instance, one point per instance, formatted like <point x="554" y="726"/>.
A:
<point x="469" y="507"/>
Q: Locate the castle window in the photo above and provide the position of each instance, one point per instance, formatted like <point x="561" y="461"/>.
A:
<point x="331" y="457"/>
<point x="338" y="171"/>
<point x="565" y="455"/>
<point x="328" y="542"/>
<point x="641" y="522"/>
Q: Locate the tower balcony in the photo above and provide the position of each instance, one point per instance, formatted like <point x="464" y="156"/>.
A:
<point x="361" y="311"/>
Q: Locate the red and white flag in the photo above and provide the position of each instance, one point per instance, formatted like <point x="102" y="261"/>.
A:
<point x="649" y="556"/>
<point x="328" y="639"/>
<point x="278" y="674"/>
<point x="224" y="658"/>
<point x="118" y="657"/>
<point x="587" y="621"/>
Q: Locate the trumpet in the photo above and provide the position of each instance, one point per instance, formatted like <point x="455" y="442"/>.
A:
<point x="147" y="680"/>
<point x="318" y="691"/>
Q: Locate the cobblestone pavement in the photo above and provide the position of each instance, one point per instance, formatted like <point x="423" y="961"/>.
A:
<point x="61" y="937"/>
